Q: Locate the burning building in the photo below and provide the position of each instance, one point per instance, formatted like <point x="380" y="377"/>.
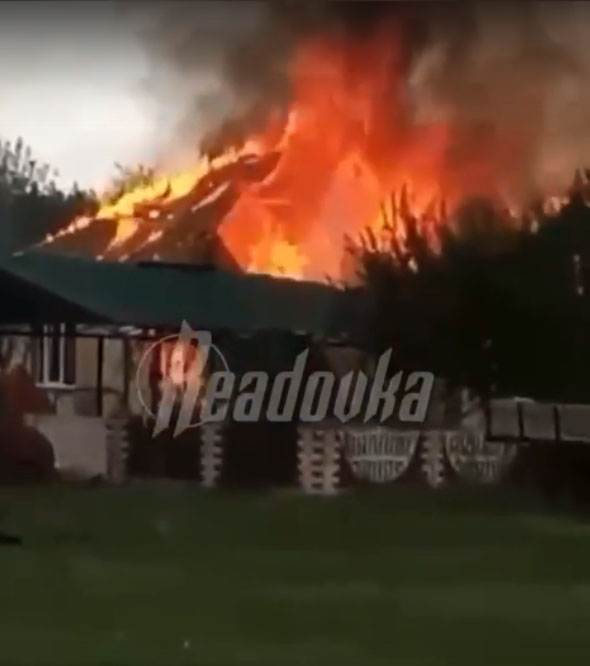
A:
<point x="334" y="108"/>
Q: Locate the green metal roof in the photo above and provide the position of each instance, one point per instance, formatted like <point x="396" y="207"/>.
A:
<point x="164" y="295"/>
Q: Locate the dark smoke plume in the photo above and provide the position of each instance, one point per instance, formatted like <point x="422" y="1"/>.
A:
<point x="500" y="75"/>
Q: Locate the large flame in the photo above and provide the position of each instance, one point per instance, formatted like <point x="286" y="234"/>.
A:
<point x="348" y="140"/>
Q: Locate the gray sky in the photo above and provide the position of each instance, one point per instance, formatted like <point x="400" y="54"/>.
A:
<point x="73" y="80"/>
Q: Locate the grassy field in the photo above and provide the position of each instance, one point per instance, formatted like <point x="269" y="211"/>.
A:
<point x="169" y="575"/>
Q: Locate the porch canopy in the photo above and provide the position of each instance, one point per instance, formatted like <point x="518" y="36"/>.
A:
<point x="159" y="295"/>
<point x="25" y="302"/>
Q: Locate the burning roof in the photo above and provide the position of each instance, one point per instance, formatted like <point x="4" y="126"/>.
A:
<point x="279" y="197"/>
<point x="175" y="218"/>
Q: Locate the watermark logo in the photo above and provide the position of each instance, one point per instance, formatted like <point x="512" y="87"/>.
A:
<point x="178" y="374"/>
<point x="177" y="364"/>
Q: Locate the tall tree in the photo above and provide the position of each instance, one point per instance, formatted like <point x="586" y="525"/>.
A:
<point x="499" y="308"/>
<point x="31" y="204"/>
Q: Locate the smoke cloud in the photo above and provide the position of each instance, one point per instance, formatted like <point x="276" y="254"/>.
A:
<point x="513" y="84"/>
<point x="511" y="81"/>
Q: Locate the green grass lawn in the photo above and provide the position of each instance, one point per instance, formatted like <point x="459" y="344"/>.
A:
<point x="168" y="575"/>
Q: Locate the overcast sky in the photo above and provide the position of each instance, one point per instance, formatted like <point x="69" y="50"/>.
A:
<point x="73" y="78"/>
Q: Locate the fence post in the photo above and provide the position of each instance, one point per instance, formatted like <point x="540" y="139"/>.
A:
<point x="331" y="462"/>
<point x="117" y="449"/>
<point x="318" y="460"/>
<point x="432" y="455"/>
<point x="211" y="453"/>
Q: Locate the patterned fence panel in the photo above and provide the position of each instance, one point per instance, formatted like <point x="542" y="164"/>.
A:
<point x="385" y="455"/>
<point x="379" y="455"/>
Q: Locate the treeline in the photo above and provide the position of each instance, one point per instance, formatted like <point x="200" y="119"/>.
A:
<point x="31" y="204"/>
<point x="502" y="308"/>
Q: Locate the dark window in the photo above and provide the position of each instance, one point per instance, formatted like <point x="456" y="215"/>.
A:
<point x="56" y="355"/>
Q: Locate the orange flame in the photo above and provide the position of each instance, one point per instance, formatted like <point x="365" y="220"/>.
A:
<point x="350" y="138"/>
<point x="342" y="153"/>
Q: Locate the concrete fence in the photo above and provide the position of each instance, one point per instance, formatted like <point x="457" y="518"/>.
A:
<point x="79" y="443"/>
<point x="85" y="447"/>
<point x="520" y="419"/>
<point x="332" y="455"/>
<point x="385" y="455"/>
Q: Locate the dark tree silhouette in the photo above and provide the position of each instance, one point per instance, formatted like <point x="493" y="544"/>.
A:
<point x="31" y="204"/>
<point x="503" y="308"/>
